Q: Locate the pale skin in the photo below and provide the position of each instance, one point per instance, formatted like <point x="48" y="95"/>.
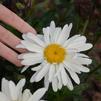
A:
<point x="8" y="39"/>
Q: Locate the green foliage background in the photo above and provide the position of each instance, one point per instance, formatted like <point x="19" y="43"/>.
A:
<point x="86" y="18"/>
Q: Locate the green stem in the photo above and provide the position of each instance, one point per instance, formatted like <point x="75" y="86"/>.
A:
<point x="85" y="26"/>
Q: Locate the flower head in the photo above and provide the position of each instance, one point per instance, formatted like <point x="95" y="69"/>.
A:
<point x="57" y="55"/>
<point x="12" y="92"/>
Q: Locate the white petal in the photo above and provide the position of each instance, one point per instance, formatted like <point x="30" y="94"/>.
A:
<point x="69" y="84"/>
<point x="33" y="77"/>
<point x="38" y="94"/>
<point x="52" y="24"/>
<point x="74" y="76"/>
<point x="24" y="69"/>
<point x="36" y="68"/>
<point x="70" y="40"/>
<point x="64" y="34"/>
<point x="3" y="97"/>
<point x="51" y="72"/>
<point x="65" y="78"/>
<point x="29" y="55"/>
<point x="13" y="90"/>
<point x="81" y="39"/>
<point x="80" y="47"/>
<point x="24" y="36"/>
<point x="57" y="69"/>
<point x="19" y="88"/>
<point x="35" y="39"/>
<point x="43" y="72"/>
<point x="78" y="67"/>
<point x="52" y="27"/>
<point x="56" y="34"/>
<point x="52" y="30"/>
<point x="32" y="47"/>
<point x="5" y="87"/>
<point x="46" y="81"/>
<point x="60" y="80"/>
<point x="84" y="61"/>
<point x="55" y="84"/>
<point x="82" y="55"/>
<point x="63" y="75"/>
<point x="41" y="37"/>
<point x="20" y="46"/>
<point x="26" y="95"/>
<point x="84" y="69"/>
<point x="68" y="65"/>
<point x="21" y="84"/>
<point x="31" y="61"/>
<point x="46" y="35"/>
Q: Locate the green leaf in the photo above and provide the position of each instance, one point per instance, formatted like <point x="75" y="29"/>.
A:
<point x="20" y="5"/>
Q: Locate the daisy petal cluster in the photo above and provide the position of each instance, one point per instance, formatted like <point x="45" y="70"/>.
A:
<point x="12" y="92"/>
<point x="58" y="54"/>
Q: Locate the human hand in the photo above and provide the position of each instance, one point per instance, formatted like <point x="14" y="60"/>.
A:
<point x="8" y="39"/>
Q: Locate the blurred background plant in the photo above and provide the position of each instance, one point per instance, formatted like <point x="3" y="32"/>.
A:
<point x="86" y="18"/>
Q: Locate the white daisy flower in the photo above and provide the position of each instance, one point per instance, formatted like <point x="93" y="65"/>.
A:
<point x="27" y="96"/>
<point x="57" y="55"/>
<point x="12" y="92"/>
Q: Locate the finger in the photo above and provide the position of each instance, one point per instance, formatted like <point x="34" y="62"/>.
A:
<point x="10" y="39"/>
<point x="12" y="19"/>
<point x="9" y="55"/>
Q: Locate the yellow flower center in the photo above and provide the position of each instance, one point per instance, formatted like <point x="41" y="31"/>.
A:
<point x="54" y="53"/>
